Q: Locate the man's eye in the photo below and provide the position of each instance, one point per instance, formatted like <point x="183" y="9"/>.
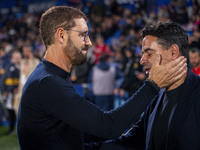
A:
<point x="82" y="34"/>
<point x="149" y="54"/>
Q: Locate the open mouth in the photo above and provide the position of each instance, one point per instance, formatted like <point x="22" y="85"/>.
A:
<point x="147" y="70"/>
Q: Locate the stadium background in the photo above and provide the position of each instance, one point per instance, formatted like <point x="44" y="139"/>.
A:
<point x="117" y="22"/>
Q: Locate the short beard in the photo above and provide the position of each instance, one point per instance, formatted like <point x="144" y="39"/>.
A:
<point x="75" y="55"/>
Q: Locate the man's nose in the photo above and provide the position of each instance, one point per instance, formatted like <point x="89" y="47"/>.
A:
<point x="88" y="42"/>
<point x="143" y="60"/>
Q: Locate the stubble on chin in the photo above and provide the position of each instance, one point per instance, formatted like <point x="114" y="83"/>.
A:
<point x="75" y="54"/>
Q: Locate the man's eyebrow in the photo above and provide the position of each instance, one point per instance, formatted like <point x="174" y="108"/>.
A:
<point x="147" y="49"/>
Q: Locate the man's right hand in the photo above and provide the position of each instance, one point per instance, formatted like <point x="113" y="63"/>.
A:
<point x="167" y="74"/>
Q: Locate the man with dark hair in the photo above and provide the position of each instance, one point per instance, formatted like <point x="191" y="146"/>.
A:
<point x="171" y="121"/>
<point x="194" y="56"/>
<point x="51" y="114"/>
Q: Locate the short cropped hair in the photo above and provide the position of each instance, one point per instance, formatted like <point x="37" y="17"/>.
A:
<point x="55" y="17"/>
<point x="168" y="33"/>
<point x="195" y="50"/>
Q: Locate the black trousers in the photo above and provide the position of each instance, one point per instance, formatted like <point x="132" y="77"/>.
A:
<point x="12" y="119"/>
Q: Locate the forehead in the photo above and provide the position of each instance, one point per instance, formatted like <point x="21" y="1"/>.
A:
<point x="16" y="55"/>
<point x="194" y="54"/>
<point x="150" y="43"/>
<point x="81" y="24"/>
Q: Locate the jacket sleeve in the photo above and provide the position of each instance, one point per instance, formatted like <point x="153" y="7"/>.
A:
<point x="60" y="100"/>
<point x="133" y="139"/>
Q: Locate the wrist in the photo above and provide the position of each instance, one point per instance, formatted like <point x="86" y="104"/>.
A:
<point x="153" y="83"/>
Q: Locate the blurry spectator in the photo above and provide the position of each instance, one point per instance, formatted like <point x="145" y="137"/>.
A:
<point x="90" y="56"/>
<point x="19" y="44"/>
<point x="194" y="56"/>
<point x="182" y="16"/>
<point x="196" y="7"/>
<point x="27" y="65"/>
<point x="103" y="83"/>
<point x="87" y="8"/>
<point x="189" y="4"/>
<point x="118" y="59"/>
<point x="1" y="112"/>
<point x="189" y="28"/>
<point x="195" y="39"/>
<point x="133" y="74"/>
<point x="172" y="12"/>
<point x="8" y="47"/>
<point x="4" y="61"/>
<point x="100" y="48"/>
<point x="79" y="76"/>
<point x="152" y="18"/>
<point x="108" y="28"/>
<point x="197" y="20"/>
<point x="80" y="73"/>
<point x="11" y="81"/>
<point x="163" y="14"/>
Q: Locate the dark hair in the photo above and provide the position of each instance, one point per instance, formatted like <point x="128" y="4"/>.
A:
<point x="195" y="50"/>
<point x="103" y="57"/>
<point x="55" y="17"/>
<point x="168" y="33"/>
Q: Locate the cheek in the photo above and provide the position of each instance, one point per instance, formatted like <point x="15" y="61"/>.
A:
<point x="150" y="63"/>
<point x="164" y="61"/>
<point x="165" y="58"/>
<point x="78" y="43"/>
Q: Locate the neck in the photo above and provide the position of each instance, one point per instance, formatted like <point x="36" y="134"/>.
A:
<point x="56" y="57"/>
<point x="177" y="83"/>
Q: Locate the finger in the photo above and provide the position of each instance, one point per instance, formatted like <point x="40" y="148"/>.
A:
<point x="180" y="75"/>
<point x="178" y="71"/>
<point x="156" y="60"/>
<point x="176" y="62"/>
<point x="175" y="73"/>
<point x="180" y="65"/>
<point x="182" y="69"/>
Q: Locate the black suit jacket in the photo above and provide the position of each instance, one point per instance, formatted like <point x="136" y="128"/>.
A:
<point x="184" y="129"/>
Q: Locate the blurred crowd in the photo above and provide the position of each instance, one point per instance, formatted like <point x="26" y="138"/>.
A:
<point x="113" y="67"/>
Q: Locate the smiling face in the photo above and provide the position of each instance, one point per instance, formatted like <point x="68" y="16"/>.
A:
<point x="76" y="48"/>
<point x="150" y="47"/>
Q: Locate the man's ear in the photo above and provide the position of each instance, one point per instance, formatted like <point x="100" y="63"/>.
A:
<point x="61" y="36"/>
<point x="174" y="49"/>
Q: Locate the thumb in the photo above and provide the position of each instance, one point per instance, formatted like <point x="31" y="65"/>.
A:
<point x="157" y="59"/>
